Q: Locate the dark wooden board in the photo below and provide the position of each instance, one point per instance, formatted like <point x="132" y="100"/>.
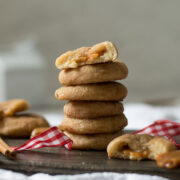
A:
<point x="61" y="161"/>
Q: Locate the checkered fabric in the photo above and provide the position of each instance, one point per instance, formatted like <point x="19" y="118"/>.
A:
<point x="164" y="128"/>
<point x="53" y="137"/>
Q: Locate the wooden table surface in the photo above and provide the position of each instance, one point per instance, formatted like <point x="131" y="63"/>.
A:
<point x="61" y="161"/>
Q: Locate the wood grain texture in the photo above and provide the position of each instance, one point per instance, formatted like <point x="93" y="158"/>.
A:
<point x="61" y="161"/>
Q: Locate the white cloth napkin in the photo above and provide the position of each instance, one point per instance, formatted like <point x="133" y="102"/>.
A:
<point x="9" y="175"/>
<point x="141" y="115"/>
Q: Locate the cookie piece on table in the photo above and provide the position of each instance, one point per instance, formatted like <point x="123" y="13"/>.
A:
<point x="94" y="126"/>
<point x="95" y="73"/>
<point x="21" y="125"/>
<point x="111" y="91"/>
<point x="99" y="53"/>
<point x="94" y="142"/>
<point x="92" y="109"/>
<point x="169" y="160"/>
<point x="11" y="107"/>
<point x="37" y="131"/>
<point x="138" y="147"/>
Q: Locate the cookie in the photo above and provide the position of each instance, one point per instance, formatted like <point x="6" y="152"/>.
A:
<point x="94" y="126"/>
<point x="159" y="145"/>
<point x="95" y="73"/>
<point x="92" y="109"/>
<point x="99" y="53"/>
<point x="21" y="125"/>
<point x="169" y="160"/>
<point x="95" y="142"/>
<point x="37" y="131"/>
<point x="11" y="107"/>
<point x="110" y="91"/>
<point x="138" y="147"/>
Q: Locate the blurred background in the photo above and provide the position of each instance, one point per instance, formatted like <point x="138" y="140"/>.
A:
<point x="34" y="33"/>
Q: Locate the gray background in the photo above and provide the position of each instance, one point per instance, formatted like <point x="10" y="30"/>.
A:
<point x="146" y="32"/>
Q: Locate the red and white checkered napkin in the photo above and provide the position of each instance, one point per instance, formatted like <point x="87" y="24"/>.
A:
<point x="53" y="137"/>
<point x="162" y="128"/>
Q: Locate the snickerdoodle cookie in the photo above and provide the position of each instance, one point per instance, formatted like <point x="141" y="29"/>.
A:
<point x="21" y="125"/>
<point x="99" y="53"/>
<point x="111" y="91"/>
<point x="11" y="107"/>
<point x="94" y="126"/>
<point x="92" y="109"/>
<point x="95" y="142"/>
<point x="94" y="73"/>
<point x="138" y="147"/>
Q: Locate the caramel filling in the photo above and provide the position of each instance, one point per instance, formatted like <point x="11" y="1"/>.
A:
<point x="96" y="51"/>
<point x="83" y="54"/>
<point x="169" y="160"/>
<point x="136" y="155"/>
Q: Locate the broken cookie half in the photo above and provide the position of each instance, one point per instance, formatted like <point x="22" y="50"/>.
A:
<point x="99" y="53"/>
<point x="138" y="147"/>
<point x="11" y="107"/>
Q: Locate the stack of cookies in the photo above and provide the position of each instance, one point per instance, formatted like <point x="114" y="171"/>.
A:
<point x="93" y="116"/>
